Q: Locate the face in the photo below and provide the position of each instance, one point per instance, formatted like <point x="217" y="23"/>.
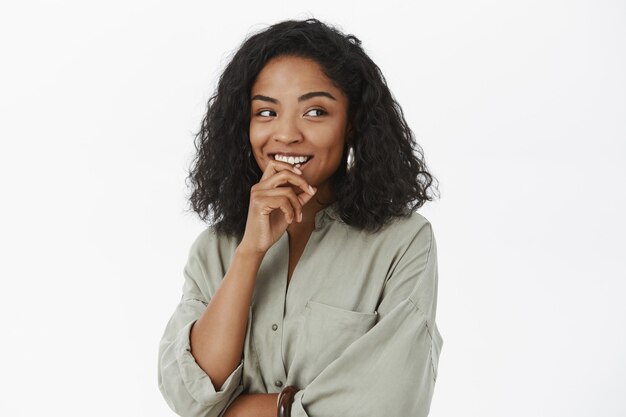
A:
<point x="296" y="110"/>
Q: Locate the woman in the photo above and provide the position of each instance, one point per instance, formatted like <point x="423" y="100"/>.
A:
<point x="303" y="136"/>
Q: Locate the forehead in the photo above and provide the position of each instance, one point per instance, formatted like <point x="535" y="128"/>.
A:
<point x="287" y="75"/>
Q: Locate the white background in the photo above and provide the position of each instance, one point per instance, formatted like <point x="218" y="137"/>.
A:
<point x="520" y="109"/>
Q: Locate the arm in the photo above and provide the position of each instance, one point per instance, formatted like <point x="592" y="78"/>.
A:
<point x="391" y="369"/>
<point x="253" y="405"/>
<point x="262" y="405"/>
<point x="217" y="337"/>
<point x="202" y="384"/>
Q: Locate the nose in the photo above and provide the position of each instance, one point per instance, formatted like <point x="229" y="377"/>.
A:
<point x="287" y="130"/>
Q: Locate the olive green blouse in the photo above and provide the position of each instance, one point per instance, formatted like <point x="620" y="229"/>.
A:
<point x="354" y="330"/>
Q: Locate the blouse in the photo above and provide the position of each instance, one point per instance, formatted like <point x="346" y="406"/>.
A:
<point x="354" y="329"/>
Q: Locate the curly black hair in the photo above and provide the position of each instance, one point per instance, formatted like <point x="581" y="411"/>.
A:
<point x="388" y="177"/>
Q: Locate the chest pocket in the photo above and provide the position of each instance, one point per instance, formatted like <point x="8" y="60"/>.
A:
<point x="326" y="332"/>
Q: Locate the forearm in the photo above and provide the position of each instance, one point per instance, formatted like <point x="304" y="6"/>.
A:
<point x="217" y="337"/>
<point x="253" y="405"/>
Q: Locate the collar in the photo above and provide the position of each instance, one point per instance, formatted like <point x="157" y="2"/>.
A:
<point x="327" y="214"/>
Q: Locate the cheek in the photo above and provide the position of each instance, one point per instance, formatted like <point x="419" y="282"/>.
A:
<point x="252" y="133"/>
<point x="256" y="147"/>
<point x="328" y="137"/>
<point x="258" y="135"/>
<point x="256" y="138"/>
<point x="330" y="158"/>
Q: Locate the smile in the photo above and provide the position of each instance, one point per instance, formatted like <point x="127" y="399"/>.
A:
<point x="297" y="161"/>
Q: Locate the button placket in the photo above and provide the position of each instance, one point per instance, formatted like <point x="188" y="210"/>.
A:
<point x="270" y="313"/>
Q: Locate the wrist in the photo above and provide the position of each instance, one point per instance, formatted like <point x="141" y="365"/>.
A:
<point x="247" y="252"/>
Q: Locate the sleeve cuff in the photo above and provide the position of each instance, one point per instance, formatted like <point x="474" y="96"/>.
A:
<point x="297" y="409"/>
<point x="197" y="382"/>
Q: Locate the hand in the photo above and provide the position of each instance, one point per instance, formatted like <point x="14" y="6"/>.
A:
<point x="274" y="205"/>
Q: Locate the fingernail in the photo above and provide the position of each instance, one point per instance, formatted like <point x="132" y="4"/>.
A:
<point x="300" y="216"/>
<point x="312" y="189"/>
<point x="297" y="170"/>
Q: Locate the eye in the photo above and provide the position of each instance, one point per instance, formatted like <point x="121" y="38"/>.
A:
<point x="260" y="113"/>
<point x="321" y="112"/>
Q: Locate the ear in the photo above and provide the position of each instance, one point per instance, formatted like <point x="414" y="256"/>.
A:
<point x="349" y="133"/>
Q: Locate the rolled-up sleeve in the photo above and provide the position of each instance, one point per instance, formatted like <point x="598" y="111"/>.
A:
<point x="186" y="388"/>
<point x="391" y="369"/>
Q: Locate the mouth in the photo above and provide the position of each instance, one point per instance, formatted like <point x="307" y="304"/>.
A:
<point x="297" y="163"/>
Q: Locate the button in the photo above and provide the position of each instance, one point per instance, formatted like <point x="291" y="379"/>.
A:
<point x="278" y="383"/>
<point x="274" y="327"/>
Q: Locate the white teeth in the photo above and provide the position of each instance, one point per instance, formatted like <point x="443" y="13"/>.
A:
<point x="292" y="159"/>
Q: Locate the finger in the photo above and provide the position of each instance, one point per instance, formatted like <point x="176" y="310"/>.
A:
<point x="293" y="199"/>
<point x="305" y="197"/>
<point x="287" y="177"/>
<point x="286" y="208"/>
<point x="269" y="203"/>
<point x="275" y="166"/>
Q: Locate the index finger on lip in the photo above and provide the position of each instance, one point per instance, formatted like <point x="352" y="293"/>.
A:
<point x="276" y="166"/>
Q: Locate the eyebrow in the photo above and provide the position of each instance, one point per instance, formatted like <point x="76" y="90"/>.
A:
<point x="300" y="99"/>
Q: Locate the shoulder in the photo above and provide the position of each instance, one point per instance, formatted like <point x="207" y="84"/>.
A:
<point x="408" y="242"/>
<point x="413" y="229"/>
<point x="400" y="240"/>
<point x="415" y="236"/>
<point x="416" y="265"/>
<point x="414" y="221"/>
<point x="209" y="256"/>
<point x="209" y="246"/>
<point x="396" y="234"/>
